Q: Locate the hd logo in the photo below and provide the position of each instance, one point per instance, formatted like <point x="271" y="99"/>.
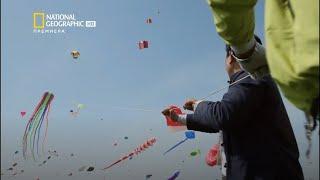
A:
<point x="38" y="20"/>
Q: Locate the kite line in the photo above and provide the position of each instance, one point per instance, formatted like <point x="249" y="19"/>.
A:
<point x="204" y="98"/>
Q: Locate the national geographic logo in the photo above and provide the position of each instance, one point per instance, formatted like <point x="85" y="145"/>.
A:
<point x="58" y="22"/>
<point x="38" y="20"/>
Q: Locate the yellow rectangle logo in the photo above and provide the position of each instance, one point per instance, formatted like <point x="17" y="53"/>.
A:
<point x="35" y="24"/>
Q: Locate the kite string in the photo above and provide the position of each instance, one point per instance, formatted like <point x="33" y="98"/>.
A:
<point x="130" y="108"/>
<point x="218" y="90"/>
<point x="209" y="95"/>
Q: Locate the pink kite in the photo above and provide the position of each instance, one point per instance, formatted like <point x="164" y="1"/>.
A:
<point x="213" y="155"/>
<point x="137" y="151"/>
<point x="173" y="125"/>
<point x="143" y="44"/>
<point x="23" y="113"/>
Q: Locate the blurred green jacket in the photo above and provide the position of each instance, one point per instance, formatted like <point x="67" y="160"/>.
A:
<point x="292" y="41"/>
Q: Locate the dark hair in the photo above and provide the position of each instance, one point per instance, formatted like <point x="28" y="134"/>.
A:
<point x="228" y="48"/>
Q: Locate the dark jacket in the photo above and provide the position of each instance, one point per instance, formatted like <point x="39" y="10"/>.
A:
<point x="257" y="135"/>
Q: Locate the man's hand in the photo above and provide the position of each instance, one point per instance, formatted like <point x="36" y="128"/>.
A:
<point x="170" y="112"/>
<point x="189" y="104"/>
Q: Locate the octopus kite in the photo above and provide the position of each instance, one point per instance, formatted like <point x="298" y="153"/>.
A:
<point x="33" y="129"/>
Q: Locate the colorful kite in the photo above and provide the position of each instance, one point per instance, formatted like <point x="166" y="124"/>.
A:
<point x="188" y="134"/>
<point x="174" y="176"/>
<point x="22" y="113"/>
<point x="175" y="126"/>
<point x="75" y="54"/>
<point x="79" y="107"/>
<point x="195" y="152"/>
<point x="32" y="131"/>
<point x="213" y="155"/>
<point x="137" y="151"/>
<point x="149" y="21"/>
<point x="143" y="44"/>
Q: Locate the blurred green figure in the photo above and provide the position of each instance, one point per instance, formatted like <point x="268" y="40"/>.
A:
<point x="292" y="45"/>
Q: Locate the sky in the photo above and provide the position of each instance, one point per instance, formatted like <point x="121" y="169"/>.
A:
<point x="185" y="59"/>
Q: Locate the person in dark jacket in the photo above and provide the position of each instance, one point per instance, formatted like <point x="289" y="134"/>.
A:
<point x="258" y="138"/>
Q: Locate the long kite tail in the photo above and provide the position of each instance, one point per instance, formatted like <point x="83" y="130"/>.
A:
<point x="25" y="136"/>
<point x="32" y="125"/>
<point x="44" y="114"/>
<point x="38" y="122"/>
<point x="138" y="150"/>
<point x="46" y="131"/>
<point x="112" y="164"/>
<point x="39" y="127"/>
<point x="47" y="122"/>
<point x="175" y="146"/>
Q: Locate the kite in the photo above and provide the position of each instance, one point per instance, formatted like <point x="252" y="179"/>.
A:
<point x="126" y="137"/>
<point x="14" y="164"/>
<point x="80" y="106"/>
<point x="75" y="54"/>
<point x="143" y="44"/>
<point x="174" y="176"/>
<point x="195" y="152"/>
<point x="148" y="176"/>
<point x="75" y="113"/>
<point x="137" y="151"/>
<point x="188" y="134"/>
<point x="70" y="174"/>
<point x="16" y="152"/>
<point x="175" y="126"/>
<point x="22" y="113"/>
<point x="53" y="153"/>
<point x="32" y="130"/>
<point x="149" y="21"/>
<point x="90" y="169"/>
<point x="213" y="155"/>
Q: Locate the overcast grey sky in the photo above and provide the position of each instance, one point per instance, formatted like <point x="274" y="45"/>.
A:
<point x="185" y="59"/>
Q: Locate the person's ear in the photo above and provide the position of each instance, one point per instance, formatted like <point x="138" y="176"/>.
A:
<point x="232" y="59"/>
